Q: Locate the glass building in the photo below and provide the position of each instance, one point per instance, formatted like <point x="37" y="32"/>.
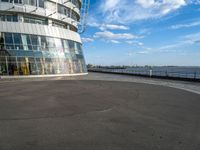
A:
<point x="39" y="37"/>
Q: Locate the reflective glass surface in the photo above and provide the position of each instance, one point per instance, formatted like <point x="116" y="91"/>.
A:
<point x="23" y="54"/>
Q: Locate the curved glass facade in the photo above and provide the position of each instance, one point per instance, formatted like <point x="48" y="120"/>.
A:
<point x="23" y="54"/>
<point x="39" y="37"/>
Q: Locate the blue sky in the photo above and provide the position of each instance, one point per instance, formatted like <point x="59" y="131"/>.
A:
<point x="143" y="32"/>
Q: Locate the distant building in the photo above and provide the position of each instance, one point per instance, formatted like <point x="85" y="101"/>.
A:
<point x="39" y="37"/>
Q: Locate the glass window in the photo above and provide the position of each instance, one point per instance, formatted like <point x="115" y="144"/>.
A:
<point x="55" y="61"/>
<point x="59" y="48"/>
<point x="17" y="41"/>
<point x="34" y="41"/>
<point x="24" y="66"/>
<point x="50" y="44"/>
<point x="76" y="47"/>
<point x="58" y="24"/>
<point x="1" y="18"/>
<point x="33" y="2"/>
<point x="43" y="43"/>
<point x="58" y="45"/>
<point x="79" y="45"/>
<point x="24" y="41"/>
<point x="17" y="1"/>
<point x="41" y="3"/>
<point x="4" y="18"/>
<point x="3" y="66"/>
<point x="26" y="1"/>
<point x="74" y="16"/>
<point x="9" y="18"/>
<point x="65" y="46"/>
<point x="29" y="42"/>
<point x="17" y="38"/>
<point x="15" y="19"/>
<point x="30" y="2"/>
<point x="32" y="66"/>
<point x="8" y="38"/>
<point x="1" y="40"/>
<point x="63" y="10"/>
<point x="71" y="46"/>
<point x="9" y="41"/>
<point x="35" y="20"/>
<point x="60" y="9"/>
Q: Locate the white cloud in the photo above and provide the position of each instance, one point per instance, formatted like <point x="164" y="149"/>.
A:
<point x="112" y="36"/>
<point x="130" y="53"/>
<point x="130" y="42"/>
<point x="129" y="11"/>
<point x="109" y="4"/>
<point x="93" y="24"/>
<point x="177" y="46"/>
<point x="133" y="53"/>
<point x="113" y="27"/>
<point x="189" y="39"/>
<point x="135" y="43"/>
<point x="108" y="26"/>
<point x="197" y="2"/>
<point x="85" y="40"/>
<point x="170" y="46"/>
<point x="142" y="52"/>
<point x="115" y="41"/>
<point x="144" y="31"/>
<point x="146" y="3"/>
<point x="140" y="44"/>
<point x="188" y="25"/>
<point x="192" y="38"/>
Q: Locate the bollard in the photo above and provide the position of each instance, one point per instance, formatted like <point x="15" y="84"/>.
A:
<point x="150" y="73"/>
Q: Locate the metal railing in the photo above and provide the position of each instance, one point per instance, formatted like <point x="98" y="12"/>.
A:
<point x="195" y="75"/>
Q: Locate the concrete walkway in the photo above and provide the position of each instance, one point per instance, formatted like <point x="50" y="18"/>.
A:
<point x="184" y="85"/>
<point x="91" y="114"/>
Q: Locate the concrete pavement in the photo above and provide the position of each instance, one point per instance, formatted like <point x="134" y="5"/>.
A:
<point x="97" y="115"/>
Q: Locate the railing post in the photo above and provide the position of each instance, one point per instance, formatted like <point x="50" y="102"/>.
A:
<point x="195" y="75"/>
<point x="150" y="73"/>
<point x="7" y="65"/>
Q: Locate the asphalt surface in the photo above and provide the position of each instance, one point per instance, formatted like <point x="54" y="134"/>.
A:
<point x="97" y="115"/>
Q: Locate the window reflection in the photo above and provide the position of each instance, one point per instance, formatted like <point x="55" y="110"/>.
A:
<point x="34" y="2"/>
<point x="9" y="18"/>
<point x="23" y="54"/>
